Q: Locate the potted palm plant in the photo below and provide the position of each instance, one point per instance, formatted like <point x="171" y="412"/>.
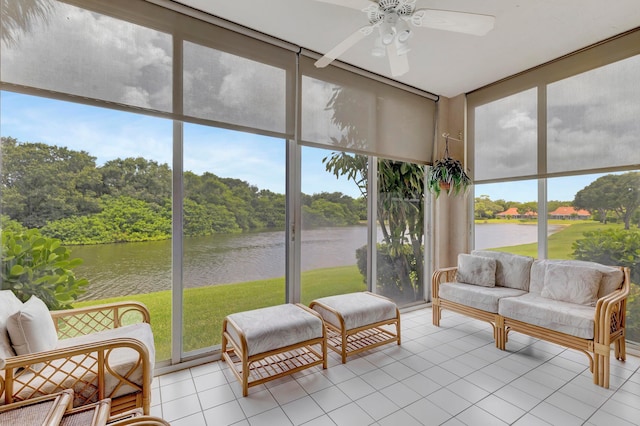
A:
<point x="447" y="175"/>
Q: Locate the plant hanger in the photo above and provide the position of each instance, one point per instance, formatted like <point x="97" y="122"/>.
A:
<point x="447" y="174"/>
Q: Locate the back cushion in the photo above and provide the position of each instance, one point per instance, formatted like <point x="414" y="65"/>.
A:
<point x="571" y="283"/>
<point x="31" y="328"/>
<point x="512" y="270"/>
<point x="9" y="305"/>
<point x="538" y="269"/>
<point x="611" y="276"/>
<point x="476" y="270"/>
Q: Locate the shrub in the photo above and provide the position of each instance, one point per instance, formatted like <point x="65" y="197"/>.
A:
<point x="612" y="246"/>
<point x="39" y="266"/>
<point x="615" y="246"/>
<point x="8" y="224"/>
<point x="391" y="272"/>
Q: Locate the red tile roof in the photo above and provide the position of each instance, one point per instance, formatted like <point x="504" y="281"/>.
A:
<point x="513" y="211"/>
<point x="509" y="212"/>
<point x="569" y="211"/>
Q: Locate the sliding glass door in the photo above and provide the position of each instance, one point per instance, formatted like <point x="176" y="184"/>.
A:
<point x="333" y="242"/>
<point x="233" y="254"/>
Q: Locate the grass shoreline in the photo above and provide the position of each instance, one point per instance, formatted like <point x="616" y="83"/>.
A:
<point x="205" y="307"/>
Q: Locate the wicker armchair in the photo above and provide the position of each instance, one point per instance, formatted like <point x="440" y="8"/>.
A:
<point x="104" y="351"/>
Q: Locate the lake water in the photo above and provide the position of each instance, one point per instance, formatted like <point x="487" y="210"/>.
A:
<point x="508" y="234"/>
<point x="134" y="268"/>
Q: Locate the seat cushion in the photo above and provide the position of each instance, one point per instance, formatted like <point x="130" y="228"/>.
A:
<point x="122" y="361"/>
<point x="484" y="298"/>
<point x="512" y="270"/>
<point x="275" y="327"/>
<point x="357" y="309"/>
<point x="569" y="318"/>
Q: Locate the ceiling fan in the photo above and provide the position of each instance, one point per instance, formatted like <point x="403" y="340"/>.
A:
<point x="393" y="19"/>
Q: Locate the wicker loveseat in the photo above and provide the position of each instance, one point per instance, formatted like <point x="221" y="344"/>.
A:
<point x="104" y="351"/>
<point x="577" y="304"/>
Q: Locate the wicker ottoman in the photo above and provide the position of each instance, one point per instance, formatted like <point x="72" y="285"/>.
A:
<point x="268" y="343"/>
<point x="358" y="321"/>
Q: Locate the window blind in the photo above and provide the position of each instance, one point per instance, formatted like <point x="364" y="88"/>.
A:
<point x="577" y="114"/>
<point x="346" y="111"/>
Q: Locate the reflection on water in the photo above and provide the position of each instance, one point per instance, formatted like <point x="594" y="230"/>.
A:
<point x="508" y="234"/>
<point x="134" y="268"/>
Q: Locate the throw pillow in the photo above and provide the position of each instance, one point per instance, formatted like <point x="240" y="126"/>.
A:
<point x="570" y="283"/>
<point x="9" y="305"/>
<point x="476" y="270"/>
<point x="31" y="329"/>
<point x="512" y="270"/>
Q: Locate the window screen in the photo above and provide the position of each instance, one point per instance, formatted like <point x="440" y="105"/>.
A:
<point x="353" y="113"/>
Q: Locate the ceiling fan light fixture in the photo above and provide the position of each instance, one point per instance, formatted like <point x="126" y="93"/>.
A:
<point x="387" y="33"/>
<point x="403" y="30"/>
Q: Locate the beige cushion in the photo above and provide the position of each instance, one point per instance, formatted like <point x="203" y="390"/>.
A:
<point x="537" y="276"/>
<point x="569" y="318"/>
<point x="475" y="296"/>
<point x="357" y="309"/>
<point x="31" y="329"/>
<point x="476" y="270"/>
<point x="9" y="305"/>
<point x="611" y="276"/>
<point x="275" y="327"/>
<point x="122" y="362"/>
<point x="611" y="279"/>
<point x="573" y="284"/>
<point x="512" y="270"/>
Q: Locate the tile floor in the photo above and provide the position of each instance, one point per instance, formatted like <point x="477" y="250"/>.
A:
<point x="452" y="375"/>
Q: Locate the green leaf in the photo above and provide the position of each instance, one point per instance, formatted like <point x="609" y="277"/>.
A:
<point x="17" y="270"/>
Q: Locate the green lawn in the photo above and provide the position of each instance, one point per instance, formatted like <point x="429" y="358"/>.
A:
<point x="561" y="242"/>
<point x="206" y="307"/>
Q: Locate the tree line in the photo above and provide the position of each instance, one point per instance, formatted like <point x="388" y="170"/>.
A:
<point x="610" y="198"/>
<point x="66" y="195"/>
<point x="485" y="208"/>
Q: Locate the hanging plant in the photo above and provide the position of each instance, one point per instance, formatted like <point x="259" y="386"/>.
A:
<point x="447" y="175"/>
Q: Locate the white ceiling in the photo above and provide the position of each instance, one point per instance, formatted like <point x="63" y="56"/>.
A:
<point x="526" y="33"/>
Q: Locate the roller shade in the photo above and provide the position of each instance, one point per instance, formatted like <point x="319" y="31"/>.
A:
<point x="345" y="111"/>
<point x="143" y="57"/>
<point x="575" y="115"/>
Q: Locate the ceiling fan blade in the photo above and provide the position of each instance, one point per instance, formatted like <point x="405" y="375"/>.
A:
<point x="343" y="46"/>
<point x="459" y="22"/>
<point x="399" y="63"/>
<point x="353" y="4"/>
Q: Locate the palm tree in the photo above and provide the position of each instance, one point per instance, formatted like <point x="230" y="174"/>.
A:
<point x="18" y="16"/>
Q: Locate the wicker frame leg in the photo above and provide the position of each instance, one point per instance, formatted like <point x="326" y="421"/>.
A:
<point x="436" y="312"/>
